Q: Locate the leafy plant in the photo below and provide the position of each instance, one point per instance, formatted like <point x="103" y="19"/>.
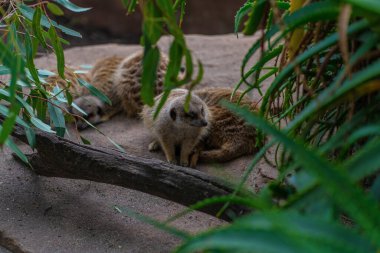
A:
<point x="321" y="110"/>
<point x="26" y="30"/>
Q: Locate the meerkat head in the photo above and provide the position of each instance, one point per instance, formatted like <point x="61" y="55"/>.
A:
<point x="92" y="106"/>
<point x="196" y="116"/>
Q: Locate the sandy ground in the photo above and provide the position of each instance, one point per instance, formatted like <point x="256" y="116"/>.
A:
<point x="60" y="215"/>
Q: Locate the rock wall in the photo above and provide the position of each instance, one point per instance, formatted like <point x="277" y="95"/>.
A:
<point x="202" y="17"/>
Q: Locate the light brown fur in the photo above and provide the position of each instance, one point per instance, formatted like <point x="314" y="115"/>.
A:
<point x="120" y="80"/>
<point x="71" y="77"/>
<point x="127" y="82"/>
<point x="229" y="136"/>
<point x="176" y="128"/>
<point x="101" y="77"/>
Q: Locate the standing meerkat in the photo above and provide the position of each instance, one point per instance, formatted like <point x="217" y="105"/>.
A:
<point x="229" y="136"/>
<point x="174" y="127"/>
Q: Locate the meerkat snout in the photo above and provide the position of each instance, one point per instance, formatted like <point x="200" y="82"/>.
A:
<point x="195" y="116"/>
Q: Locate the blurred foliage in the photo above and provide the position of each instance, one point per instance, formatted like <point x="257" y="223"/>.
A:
<point x="26" y="97"/>
<point x="321" y="112"/>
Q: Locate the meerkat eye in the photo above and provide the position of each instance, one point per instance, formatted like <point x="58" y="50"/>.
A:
<point x="173" y="114"/>
<point x="191" y="115"/>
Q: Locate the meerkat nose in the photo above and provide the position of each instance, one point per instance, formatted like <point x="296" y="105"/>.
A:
<point x="203" y="122"/>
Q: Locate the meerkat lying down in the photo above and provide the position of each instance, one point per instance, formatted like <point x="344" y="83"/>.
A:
<point x="222" y="137"/>
<point x="120" y="80"/>
<point x="229" y="136"/>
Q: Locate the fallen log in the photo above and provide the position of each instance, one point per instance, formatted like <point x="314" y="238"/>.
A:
<point x="59" y="157"/>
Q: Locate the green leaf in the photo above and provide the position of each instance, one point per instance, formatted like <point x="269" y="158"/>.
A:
<point x="120" y="148"/>
<point x="22" y="102"/>
<point x="28" y="12"/>
<point x="41" y="125"/>
<point x="58" y="52"/>
<point x="322" y="45"/>
<point x="148" y="80"/>
<point x="84" y="140"/>
<point x="352" y="199"/>
<point x="9" y="122"/>
<point x="130" y="4"/>
<point x="55" y="9"/>
<point x="365" y="162"/>
<point x="336" y="91"/>
<point x="241" y="13"/>
<point x="4" y="70"/>
<point x="29" y="59"/>
<point x="45" y="73"/>
<point x="95" y="91"/>
<point x="5" y="112"/>
<point x="36" y="25"/>
<point x="279" y="232"/>
<point x="17" y="151"/>
<point x="255" y="17"/>
<point x="72" y="7"/>
<point x="57" y="117"/>
<point x="368" y="5"/>
<point x="31" y="136"/>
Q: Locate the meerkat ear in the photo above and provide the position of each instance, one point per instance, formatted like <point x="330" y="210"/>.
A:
<point x="173" y="114"/>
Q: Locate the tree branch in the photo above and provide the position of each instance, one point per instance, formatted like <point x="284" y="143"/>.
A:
<point x="59" y="157"/>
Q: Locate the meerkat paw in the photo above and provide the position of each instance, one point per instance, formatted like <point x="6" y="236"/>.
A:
<point x="174" y="162"/>
<point x="184" y="163"/>
<point x="154" y="146"/>
<point x="194" y="159"/>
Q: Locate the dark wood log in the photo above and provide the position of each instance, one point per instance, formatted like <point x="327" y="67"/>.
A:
<point x="59" y="157"/>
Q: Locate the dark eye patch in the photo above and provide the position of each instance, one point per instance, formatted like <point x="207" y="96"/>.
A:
<point x="191" y="115"/>
<point x="89" y="115"/>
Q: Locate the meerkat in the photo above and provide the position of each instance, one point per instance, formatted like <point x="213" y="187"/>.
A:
<point x="174" y="127"/>
<point x="70" y="82"/>
<point x="229" y="136"/>
<point x="101" y="77"/>
<point x="120" y="80"/>
<point x="127" y="81"/>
